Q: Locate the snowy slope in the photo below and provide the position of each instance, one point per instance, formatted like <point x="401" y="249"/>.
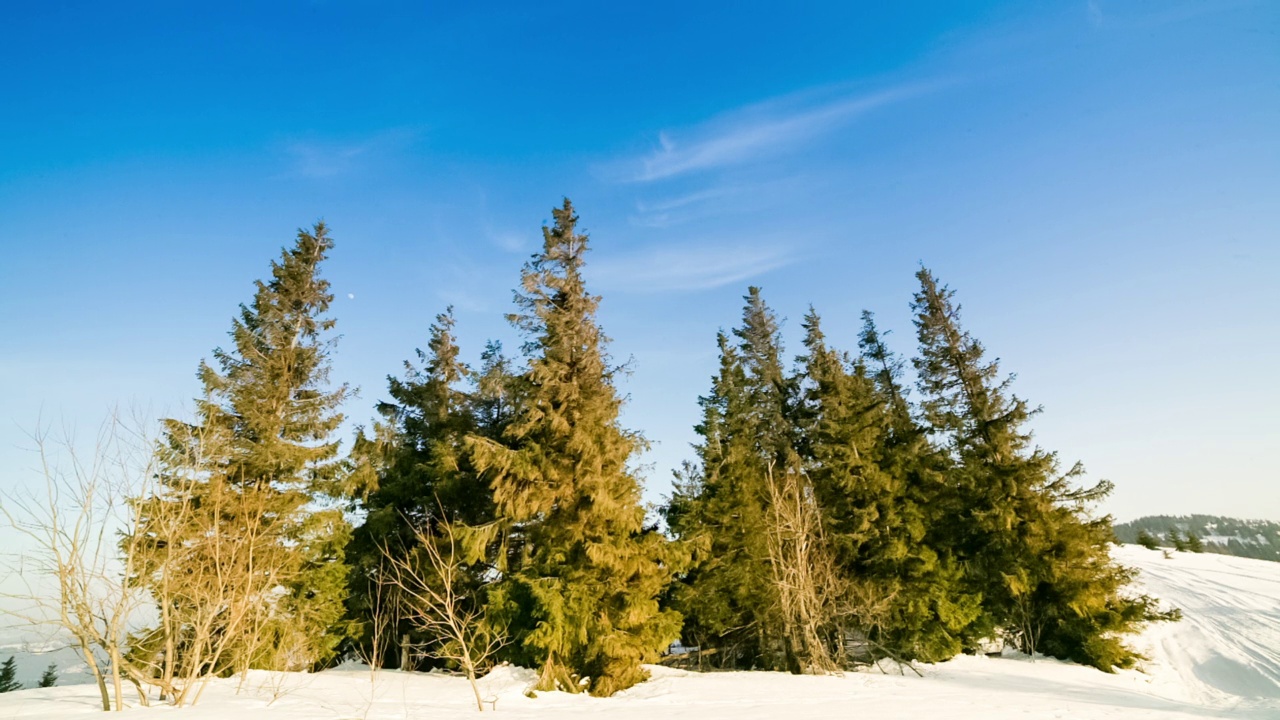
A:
<point x="1226" y="650"/>
<point x="1221" y="661"/>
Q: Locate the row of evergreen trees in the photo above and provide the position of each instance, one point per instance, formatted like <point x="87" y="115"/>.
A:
<point x="1190" y="543"/>
<point x="945" y="525"/>
<point x="9" y="676"/>
<point x="825" y="509"/>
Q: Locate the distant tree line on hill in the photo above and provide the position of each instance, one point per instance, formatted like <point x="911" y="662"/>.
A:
<point x="831" y="514"/>
<point x="1257" y="539"/>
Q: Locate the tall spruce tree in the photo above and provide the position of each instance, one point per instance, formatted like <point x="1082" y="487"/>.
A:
<point x="748" y="508"/>
<point x="766" y="435"/>
<point x="415" y="450"/>
<point x="582" y="574"/>
<point x="421" y="472"/>
<point x="930" y="615"/>
<point x="260" y="481"/>
<point x="862" y="500"/>
<point x="718" y="510"/>
<point x="496" y="388"/>
<point x="843" y="436"/>
<point x="1022" y="529"/>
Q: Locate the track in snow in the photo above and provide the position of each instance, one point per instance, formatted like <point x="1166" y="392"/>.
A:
<point x="1226" y="650"/>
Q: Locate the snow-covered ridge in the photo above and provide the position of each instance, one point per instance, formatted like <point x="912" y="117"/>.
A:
<point x="1222" y="661"/>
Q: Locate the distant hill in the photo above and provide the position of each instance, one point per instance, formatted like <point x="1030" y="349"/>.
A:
<point x="1258" y="539"/>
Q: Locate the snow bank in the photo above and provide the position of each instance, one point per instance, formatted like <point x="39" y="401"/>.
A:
<point x="1221" y="661"/>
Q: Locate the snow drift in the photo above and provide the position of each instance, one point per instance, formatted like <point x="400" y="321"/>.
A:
<point x="1221" y="661"/>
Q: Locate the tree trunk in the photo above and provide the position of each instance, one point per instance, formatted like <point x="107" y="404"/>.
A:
<point x="114" y="658"/>
<point x="97" y="675"/>
<point x="475" y="688"/>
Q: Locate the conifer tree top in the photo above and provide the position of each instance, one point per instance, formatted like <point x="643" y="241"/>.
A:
<point x="271" y="387"/>
<point x="962" y="393"/>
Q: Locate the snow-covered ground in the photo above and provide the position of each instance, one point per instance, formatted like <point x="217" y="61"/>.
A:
<point x="1221" y="661"/>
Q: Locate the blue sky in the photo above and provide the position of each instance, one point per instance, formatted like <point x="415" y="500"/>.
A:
<point x="1100" y="181"/>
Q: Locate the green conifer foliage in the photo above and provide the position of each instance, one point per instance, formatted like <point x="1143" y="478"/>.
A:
<point x="764" y="591"/>
<point x="419" y="463"/>
<point x="496" y="388"/>
<point x="582" y="575"/>
<point x="8" y="676"/>
<point x="843" y="431"/>
<point x="843" y="436"/>
<point x="415" y="468"/>
<point x="718" y="510"/>
<point x="764" y="437"/>
<point x="935" y="614"/>
<point x="50" y="676"/>
<point x="878" y="479"/>
<point x="420" y="469"/>
<point x="1021" y="529"/>
<point x="260" y="474"/>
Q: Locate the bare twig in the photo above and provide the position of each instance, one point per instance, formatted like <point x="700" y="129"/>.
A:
<point x="430" y="581"/>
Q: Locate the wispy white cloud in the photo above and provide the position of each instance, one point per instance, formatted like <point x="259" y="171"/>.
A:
<point x="507" y="240"/>
<point x="665" y="209"/>
<point x="511" y="242"/>
<point x="675" y="268"/>
<point x="324" y="158"/>
<point x="681" y="201"/>
<point x="1094" y="12"/>
<point x="314" y="160"/>
<point x="665" y="212"/>
<point x="1130" y="16"/>
<point x="467" y="285"/>
<point x="756" y="131"/>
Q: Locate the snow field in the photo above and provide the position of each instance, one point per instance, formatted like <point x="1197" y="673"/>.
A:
<point x="1221" y="661"/>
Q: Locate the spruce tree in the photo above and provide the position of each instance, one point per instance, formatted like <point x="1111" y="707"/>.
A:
<point x="1147" y="540"/>
<point x="259" y="475"/>
<point x="1023" y="531"/>
<point x="420" y="471"/>
<point x="718" y="510"/>
<point x="414" y="450"/>
<point x="582" y="574"/>
<point x="765" y="586"/>
<point x="931" y="613"/>
<point x="50" y="676"/>
<point x="843" y="427"/>
<point x="495" y="390"/>
<point x="767" y="434"/>
<point x="1194" y="543"/>
<point x="843" y="430"/>
<point x="8" y="676"/>
<point x="882" y="482"/>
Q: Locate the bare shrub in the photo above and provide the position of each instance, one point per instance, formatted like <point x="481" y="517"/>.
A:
<point x="75" y="574"/>
<point x="430" y="581"/>
<point x="803" y="571"/>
